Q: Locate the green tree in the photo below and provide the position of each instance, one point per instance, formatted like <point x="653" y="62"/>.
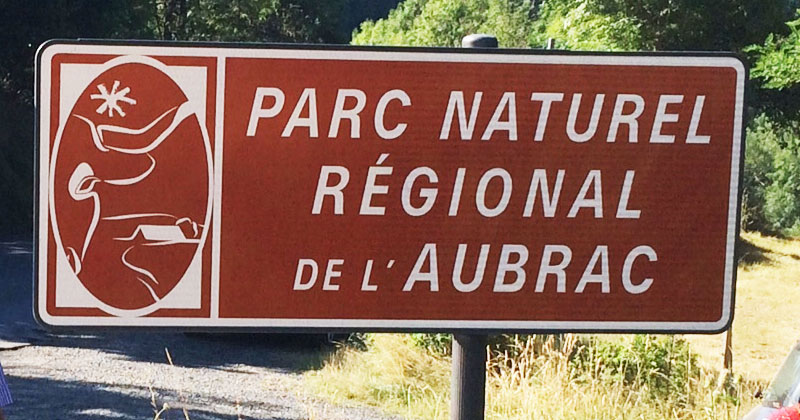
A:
<point x="445" y="22"/>
<point x="584" y="25"/>
<point x="247" y="20"/>
<point x="772" y="161"/>
<point x="727" y="25"/>
<point x="715" y="25"/>
<point x="777" y="59"/>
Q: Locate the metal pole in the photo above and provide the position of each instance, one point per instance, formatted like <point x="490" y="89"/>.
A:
<point x="468" y="382"/>
<point x="479" y="41"/>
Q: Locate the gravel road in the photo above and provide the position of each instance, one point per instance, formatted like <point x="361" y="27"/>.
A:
<point x="127" y="375"/>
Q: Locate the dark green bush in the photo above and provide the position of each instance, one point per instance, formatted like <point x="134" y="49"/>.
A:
<point x="663" y="365"/>
<point x="771" y="179"/>
<point x="434" y="343"/>
<point x="511" y="344"/>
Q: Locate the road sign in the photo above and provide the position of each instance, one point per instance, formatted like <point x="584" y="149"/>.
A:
<point x="386" y="189"/>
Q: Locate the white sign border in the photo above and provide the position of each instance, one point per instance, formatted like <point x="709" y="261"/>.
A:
<point x="224" y="51"/>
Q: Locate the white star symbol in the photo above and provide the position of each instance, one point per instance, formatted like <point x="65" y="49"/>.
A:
<point x="110" y="100"/>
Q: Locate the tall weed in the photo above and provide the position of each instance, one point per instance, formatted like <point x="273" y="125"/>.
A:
<point x="538" y="377"/>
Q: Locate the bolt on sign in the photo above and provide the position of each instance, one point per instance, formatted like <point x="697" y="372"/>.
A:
<point x="386" y="189"/>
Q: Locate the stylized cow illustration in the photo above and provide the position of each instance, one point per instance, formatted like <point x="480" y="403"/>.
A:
<point x="131" y="170"/>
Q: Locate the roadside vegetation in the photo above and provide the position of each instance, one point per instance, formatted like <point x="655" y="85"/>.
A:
<point x="591" y="377"/>
<point x="766" y="291"/>
<point x="541" y="377"/>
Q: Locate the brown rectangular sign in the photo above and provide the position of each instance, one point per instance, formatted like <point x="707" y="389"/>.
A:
<point x="397" y="189"/>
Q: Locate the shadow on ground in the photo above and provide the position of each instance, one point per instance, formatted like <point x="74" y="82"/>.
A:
<point x="47" y="399"/>
<point x="748" y="253"/>
<point x="283" y="352"/>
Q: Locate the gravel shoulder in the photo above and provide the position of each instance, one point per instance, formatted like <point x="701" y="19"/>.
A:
<point x="127" y="375"/>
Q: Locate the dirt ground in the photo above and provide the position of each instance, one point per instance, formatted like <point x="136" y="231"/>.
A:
<point x="128" y="375"/>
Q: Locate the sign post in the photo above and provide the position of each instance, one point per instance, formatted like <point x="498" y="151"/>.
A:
<point x="472" y="191"/>
<point x="468" y="381"/>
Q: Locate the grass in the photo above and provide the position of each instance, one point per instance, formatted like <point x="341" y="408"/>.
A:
<point x="536" y="377"/>
<point x="767" y="296"/>
<point x="393" y="373"/>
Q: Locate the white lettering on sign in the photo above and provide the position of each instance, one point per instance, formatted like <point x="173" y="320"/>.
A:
<point x="483" y="185"/>
<point x="582" y="123"/>
<point x="257" y="112"/>
<point x="380" y="114"/>
<point x="307" y="104"/>
<point x="334" y="191"/>
<point x="480" y="269"/>
<point x="429" y="194"/>
<point x="547" y="267"/>
<point x="630" y="119"/>
<point x="662" y="116"/>
<point x="333" y="180"/>
<point x="594" y="120"/>
<point x="600" y="256"/>
<point x="299" y="284"/>
<point x="305" y="112"/>
<point x="268" y="103"/>
<point x="539" y="183"/>
<point x="506" y="266"/>
<point x="456" y="104"/>
<point x="330" y="274"/>
<point x="547" y="100"/>
<point x="340" y="113"/>
<point x="372" y="188"/>
<point x="645" y="284"/>
<point x="426" y="257"/>
<point x="507" y="106"/>
<point x="593" y="179"/>
<point x="511" y="271"/>
<point x="692" y="137"/>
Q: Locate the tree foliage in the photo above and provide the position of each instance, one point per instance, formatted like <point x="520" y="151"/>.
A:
<point x="582" y="24"/>
<point x="716" y="25"/>
<point x="777" y="60"/>
<point x="576" y="24"/>
<point x="445" y="22"/>
<point x="772" y="163"/>
<point x="247" y="20"/>
<point x="771" y="181"/>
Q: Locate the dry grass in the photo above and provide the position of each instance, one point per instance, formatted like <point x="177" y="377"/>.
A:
<point x="536" y="382"/>
<point x="402" y="378"/>
<point x="767" y="295"/>
<point x="394" y="374"/>
<point x="544" y="384"/>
